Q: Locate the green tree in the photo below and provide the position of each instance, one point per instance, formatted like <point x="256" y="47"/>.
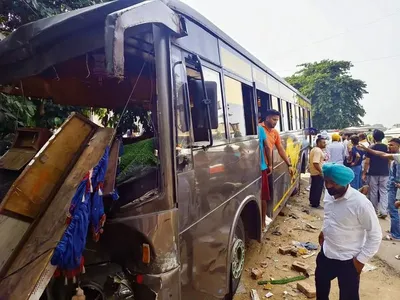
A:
<point x="14" y="13"/>
<point x="335" y="95"/>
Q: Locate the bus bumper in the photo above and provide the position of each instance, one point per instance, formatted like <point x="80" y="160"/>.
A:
<point x="164" y="286"/>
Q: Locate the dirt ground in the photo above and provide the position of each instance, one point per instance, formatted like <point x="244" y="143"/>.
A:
<point x="383" y="283"/>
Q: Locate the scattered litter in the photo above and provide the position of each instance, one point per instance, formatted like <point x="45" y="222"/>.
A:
<point x="310" y="246"/>
<point x="241" y="289"/>
<point x="293" y="216"/>
<point x="264" y="264"/>
<point x="282" y="281"/>
<point x="293" y="294"/>
<point x="256" y="273"/>
<point x="269" y="295"/>
<point x="308" y="225"/>
<point x="288" y="206"/>
<point x="368" y="267"/>
<point x="397" y="257"/>
<point x="300" y="266"/>
<point x="309" y="255"/>
<point x="282" y="213"/>
<point x="285" y="293"/>
<point x="254" y="295"/>
<point x="305" y="228"/>
<point x="305" y="210"/>
<point x="302" y="251"/>
<point x="268" y="286"/>
<point x="307" y="289"/>
<point x="276" y="232"/>
<point x="296" y="243"/>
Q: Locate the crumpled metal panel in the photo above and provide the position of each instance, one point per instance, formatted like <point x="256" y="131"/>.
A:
<point x="148" y="12"/>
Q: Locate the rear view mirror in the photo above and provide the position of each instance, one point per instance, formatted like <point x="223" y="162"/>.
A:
<point x="199" y="107"/>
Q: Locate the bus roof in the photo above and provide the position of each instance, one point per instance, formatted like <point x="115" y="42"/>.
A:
<point x="30" y="39"/>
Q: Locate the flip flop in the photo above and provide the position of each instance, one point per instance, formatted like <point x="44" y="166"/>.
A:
<point x="390" y="239"/>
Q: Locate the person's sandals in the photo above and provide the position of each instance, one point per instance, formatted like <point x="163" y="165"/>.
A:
<point x="390" y="238"/>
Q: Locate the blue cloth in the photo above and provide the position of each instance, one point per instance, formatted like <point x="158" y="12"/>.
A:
<point x="340" y="174"/>
<point x="356" y="183"/>
<point x="262" y="136"/>
<point x="86" y="207"/>
<point x="394" y="215"/>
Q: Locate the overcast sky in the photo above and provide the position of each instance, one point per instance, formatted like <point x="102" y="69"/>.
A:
<point x="286" y="33"/>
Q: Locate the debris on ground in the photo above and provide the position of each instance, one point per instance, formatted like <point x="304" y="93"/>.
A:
<point x="276" y="231"/>
<point x="264" y="264"/>
<point x="305" y="210"/>
<point x="307" y="289"/>
<point x="307" y="245"/>
<point x="282" y="213"/>
<point x="309" y="255"/>
<point x="256" y="273"/>
<point x="269" y="295"/>
<point x="397" y="257"/>
<point x="285" y="250"/>
<point x="282" y="281"/>
<point x="268" y="286"/>
<point x="241" y="289"/>
<point x="368" y="267"/>
<point x="254" y="295"/>
<point x="300" y="266"/>
<point x="294" y="216"/>
<point x="308" y="225"/>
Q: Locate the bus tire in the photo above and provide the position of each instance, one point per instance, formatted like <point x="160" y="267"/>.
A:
<point x="238" y="254"/>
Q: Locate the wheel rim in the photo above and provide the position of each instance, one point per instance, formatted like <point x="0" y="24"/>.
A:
<point x="238" y="254"/>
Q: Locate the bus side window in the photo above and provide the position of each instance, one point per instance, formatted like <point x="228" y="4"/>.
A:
<point x="275" y="105"/>
<point x="241" y="113"/>
<point x="184" y="160"/>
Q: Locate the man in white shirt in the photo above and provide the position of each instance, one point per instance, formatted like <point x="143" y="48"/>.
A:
<point x="336" y="150"/>
<point x="351" y="235"/>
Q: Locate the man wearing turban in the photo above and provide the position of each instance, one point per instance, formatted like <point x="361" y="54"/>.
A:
<point x="351" y="234"/>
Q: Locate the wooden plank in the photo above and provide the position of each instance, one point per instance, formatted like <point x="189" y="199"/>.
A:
<point x="10" y="231"/>
<point x="16" y="158"/>
<point x="38" y="249"/>
<point x="111" y="174"/>
<point x="49" y="167"/>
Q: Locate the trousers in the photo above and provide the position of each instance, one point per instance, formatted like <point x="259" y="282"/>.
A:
<point x="378" y="193"/>
<point x="317" y="186"/>
<point x="344" y="271"/>
<point x="394" y="214"/>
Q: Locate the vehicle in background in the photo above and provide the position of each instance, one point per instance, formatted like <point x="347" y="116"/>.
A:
<point x="392" y="133"/>
<point x="204" y="94"/>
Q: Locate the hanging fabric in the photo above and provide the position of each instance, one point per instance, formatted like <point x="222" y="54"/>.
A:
<point x="86" y="208"/>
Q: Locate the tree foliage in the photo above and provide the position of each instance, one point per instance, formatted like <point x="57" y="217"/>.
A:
<point x="14" y="13"/>
<point x="335" y="95"/>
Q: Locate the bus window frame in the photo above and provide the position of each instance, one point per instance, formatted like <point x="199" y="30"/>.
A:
<point x="254" y="108"/>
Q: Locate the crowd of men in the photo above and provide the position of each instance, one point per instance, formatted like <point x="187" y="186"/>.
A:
<point x="366" y="187"/>
<point x="361" y="179"/>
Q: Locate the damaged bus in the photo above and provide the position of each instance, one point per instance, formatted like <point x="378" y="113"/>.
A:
<point x="174" y="160"/>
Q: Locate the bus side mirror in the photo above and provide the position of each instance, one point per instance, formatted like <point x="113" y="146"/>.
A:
<point x="199" y="107"/>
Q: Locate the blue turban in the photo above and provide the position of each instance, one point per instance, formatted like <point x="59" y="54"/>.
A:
<point x="340" y="174"/>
